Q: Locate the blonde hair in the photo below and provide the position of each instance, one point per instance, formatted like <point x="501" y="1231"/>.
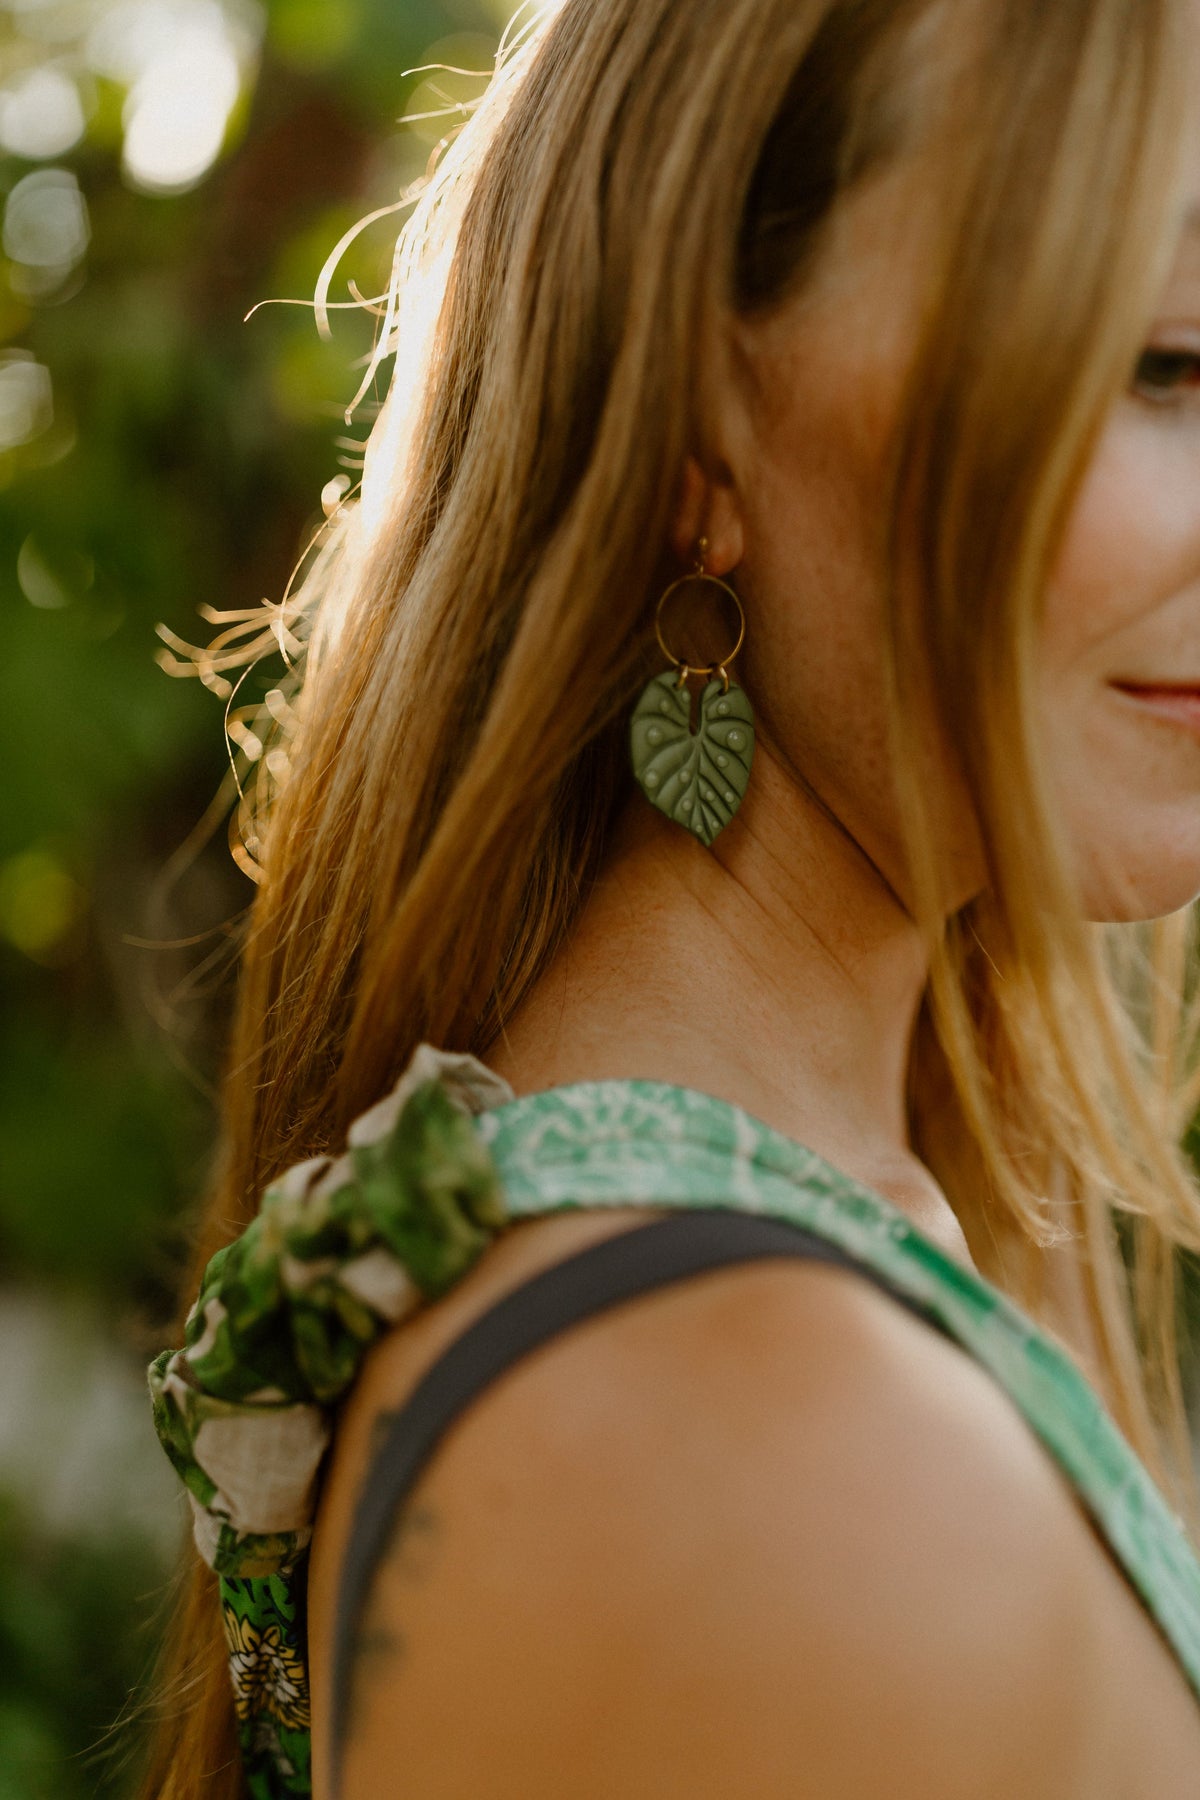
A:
<point x="636" y="169"/>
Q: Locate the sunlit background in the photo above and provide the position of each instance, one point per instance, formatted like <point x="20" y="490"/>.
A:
<point x="165" y="165"/>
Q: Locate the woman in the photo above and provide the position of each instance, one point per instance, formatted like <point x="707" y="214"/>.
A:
<point x="879" y="319"/>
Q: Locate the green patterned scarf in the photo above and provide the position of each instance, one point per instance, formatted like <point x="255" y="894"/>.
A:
<point x="341" y="1250"/>
<point x="338" y="1252"/>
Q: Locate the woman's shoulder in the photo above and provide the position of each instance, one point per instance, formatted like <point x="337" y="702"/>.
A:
<point x="738" y="1521"/>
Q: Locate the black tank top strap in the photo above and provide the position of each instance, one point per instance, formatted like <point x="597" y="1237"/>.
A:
<point x="602" y="1275"/>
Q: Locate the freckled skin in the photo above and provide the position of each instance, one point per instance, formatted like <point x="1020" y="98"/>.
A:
<point x="823" y="381"/>
<point x="793" y="930"/>
<point x="1125" y="603"/>
<point x="1124" y="600"/>
<point x="797" y="915"/>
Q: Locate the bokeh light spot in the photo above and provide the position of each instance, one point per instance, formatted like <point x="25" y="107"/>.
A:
<point x="41" y="114"/>
<point x="40" y="903"/>
<point x="456" y="70"/>
<point x="176" y="115"/>
<point x="51" y="581"/>
<point x="26" y="398"/>
<point x="312" y="33"/>
<point x="46" y="231"/>
<point x="183" y="63"/>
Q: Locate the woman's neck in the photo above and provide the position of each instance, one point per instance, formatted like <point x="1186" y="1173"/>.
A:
<point x="777" y="971"/>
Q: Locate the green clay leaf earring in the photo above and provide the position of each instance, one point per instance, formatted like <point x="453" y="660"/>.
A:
<point x="698" y="778"/>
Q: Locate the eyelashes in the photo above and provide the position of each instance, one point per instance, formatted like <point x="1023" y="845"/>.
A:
<point x="1166" y="375"/>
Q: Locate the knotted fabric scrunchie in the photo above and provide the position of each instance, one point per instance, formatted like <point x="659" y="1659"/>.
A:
<point x="339" y="1250"/>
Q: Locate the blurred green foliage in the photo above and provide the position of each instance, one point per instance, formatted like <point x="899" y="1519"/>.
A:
<point x="164" y="166"/>
<point x="59" y="1598"/>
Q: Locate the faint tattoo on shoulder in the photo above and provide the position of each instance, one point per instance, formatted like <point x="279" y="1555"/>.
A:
<point x="410" y="1552"/>
<point x="412" y="1547"/>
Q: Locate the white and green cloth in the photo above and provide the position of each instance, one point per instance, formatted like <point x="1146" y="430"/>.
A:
<point x="342" y="1249"/>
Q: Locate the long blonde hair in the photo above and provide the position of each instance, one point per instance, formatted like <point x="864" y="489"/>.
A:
<point x="636" y="169"/>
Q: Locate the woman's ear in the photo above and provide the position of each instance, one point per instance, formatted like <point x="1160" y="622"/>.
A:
<point x="707" y="508"/>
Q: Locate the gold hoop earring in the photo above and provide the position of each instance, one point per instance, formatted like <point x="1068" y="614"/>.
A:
<point x="697" y="778"/>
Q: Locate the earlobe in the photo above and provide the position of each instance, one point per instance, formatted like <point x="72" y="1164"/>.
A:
<point x="707" y="507"/>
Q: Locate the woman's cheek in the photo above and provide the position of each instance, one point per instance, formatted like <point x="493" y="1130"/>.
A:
<point x="1124" y="602"/>
<point x="1123" y="548"/>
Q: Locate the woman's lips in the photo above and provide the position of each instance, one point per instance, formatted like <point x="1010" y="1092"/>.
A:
<point x="1174" y="701"/>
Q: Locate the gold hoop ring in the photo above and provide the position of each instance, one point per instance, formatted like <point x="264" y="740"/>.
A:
<point x="686" y="669"/>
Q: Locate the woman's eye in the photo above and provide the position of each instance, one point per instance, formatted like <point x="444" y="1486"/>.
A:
<point x="1166" y="374"/>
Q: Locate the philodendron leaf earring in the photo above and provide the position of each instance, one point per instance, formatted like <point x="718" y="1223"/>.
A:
<point x="698" y="778"/>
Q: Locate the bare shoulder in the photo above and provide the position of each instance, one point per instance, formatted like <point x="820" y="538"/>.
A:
<point x="761" y="1533"/>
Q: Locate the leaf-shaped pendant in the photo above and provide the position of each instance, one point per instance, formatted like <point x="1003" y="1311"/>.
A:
<point x="698" y="779"/>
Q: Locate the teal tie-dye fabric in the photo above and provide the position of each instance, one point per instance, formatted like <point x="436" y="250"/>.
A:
<point x="341" y="1250"/>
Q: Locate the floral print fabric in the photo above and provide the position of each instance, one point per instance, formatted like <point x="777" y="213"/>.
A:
<point x="341" y="1250"/>
<point x="264" y="1631"/>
